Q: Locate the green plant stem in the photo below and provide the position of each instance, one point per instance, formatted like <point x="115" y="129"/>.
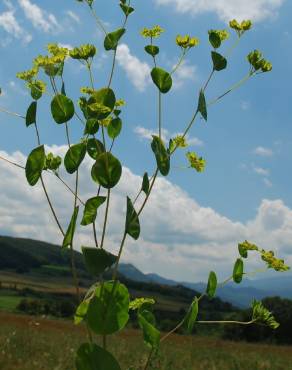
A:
<point x="13" y="163"/>
<point x="232" y="88"/>
<point x="181" y="59"/>
<point x="11" y="113"/>
<point x="98" y="21"/>
<point x="67" y="186"/>
<point x="105" y="218"/>
<point x="148" y="195"/>
<point x="172" y="331"/>
<point x="159" y="114"/>
<point x="113" y="68"/>
<point x="227" y="322"/>
<point x="149" y="359"/>
<point x="115" y="272"/>
<point x="90" y="75"/>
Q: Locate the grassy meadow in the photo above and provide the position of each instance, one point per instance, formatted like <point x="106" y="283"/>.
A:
<point x="30" y="343"/>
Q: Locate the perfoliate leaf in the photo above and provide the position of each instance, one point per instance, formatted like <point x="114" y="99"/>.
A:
<point x="219" y="62"/>
<point x="202" y="105"/>
<point x="62" y="109"/>
<point x="112" y="39"/>
<point x="238" y="271"/>
<point x="161" y="79"/>
<point x="35" y="164"/>
<point x="74" y="157"/>
<point x="138" y="303"/>
<point x="90" y="209"/>
<point x="91" y="127"/>
<point x="108" y="311"/>
<point x="145" y="183"/>
<point x="151" y="335"/>
<point x="127" y="9"/>
<point x="31" y="114"/>
<point x="107" y="170"/>
<point x="132" y="221"/>
<point x="215" y="39"/>
<point x="92" y="357"/>
<point x="161" y="155"/>
<point x="102" y="103"/>
<point x="152" y="50"/>
<point x="97" y="260"/>
<point x="114" y="128"/>
<point x="95" y="148"/>
<point x="191" y="316"/>
<point x="212" y="284"/>
<point x="68" y="238"/>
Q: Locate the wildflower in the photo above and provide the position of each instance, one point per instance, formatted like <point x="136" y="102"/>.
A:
<point x="256" y="60"/>
<point x="273" y="262"/>
<point x="262" y="315"/>
<point x="52" y="163"/>
<point x="198" y="163"/>
<point x="153" y="32"/>
<point x="222" y="34"/>
<point x="84" y="52"/>
<point x="28" y="75"/>
<point x="187" y="42"/>
<point x="240" y="28"/>
<point x="87" y="90"/>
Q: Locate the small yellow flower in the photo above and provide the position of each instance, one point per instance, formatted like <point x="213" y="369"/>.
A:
<point x="83" y="52"/>
<point x="153" y="32"/>
<point x="242" y="27"/>
<point x="28" y="75"/>
<point x="186" y="41"/>
<point x="196" y="162"/>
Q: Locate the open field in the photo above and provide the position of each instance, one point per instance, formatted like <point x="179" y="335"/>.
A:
<point x="30" y="343"/>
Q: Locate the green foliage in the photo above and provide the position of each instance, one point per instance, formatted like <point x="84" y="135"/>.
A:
<point x="68" y="238"/>
<point x="219" y="62"/>
<point x="108" y="310"/>
<point x="145" y="183"/>
<point x="161" y="79"/>
<point x="261" y="315"/>
<point x="151" y="335"/>
<point x="202" y="105"/>
<point x="112" y="39"/>
<point x="31" y="114"/>
<point x="97" y="260"/>
<point x="35" y="164"/>
<point x="90" y="209"/>
<point x="152" y="50"/>
<point x="94" y="148"/>
<point x="238" y="271"/>
<point x="212" y="284"/>
<point x="62" y="109"/>
<point x="114" y="128"/>
<point x="92" y="357"/>
<point x="101" y="103"/>
<point x="92" y="127"/>
<point x="191" y="317"/>
<point x="161" y="155"/>
<point x="132" y="221"/>
<point x="107" y="170"/>
<point x="74" y="157"/>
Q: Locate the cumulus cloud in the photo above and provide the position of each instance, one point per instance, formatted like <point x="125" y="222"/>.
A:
<point x="137" y="71"/>
<point x="145" y="133"/>
<point x="263" y="152"/>
<point x="257" y="10"/>
<point x="10" y="24"/>
<point x="39" y="18"/>
<point x="179" y="238"/>
<point x="261" y="171"/>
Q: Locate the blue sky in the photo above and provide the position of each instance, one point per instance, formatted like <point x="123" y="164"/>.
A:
<point x="247" y="140"/>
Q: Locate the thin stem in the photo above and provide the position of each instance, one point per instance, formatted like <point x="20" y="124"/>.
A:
<point x="227" y="322"/>
<point x="172" y="331"/>
<point x="159" y="114"/>
<point x="105" y="218"/>
<point x="67" y="134"/>
<point x="67" y="186"/>
<point x="149" y="359"/>
<point x="90" y="75"/>
<point x="11" y="113"/>
<point x="99" y="22"/>
<point x="113" y="68"/>
<point x="179" y="62"/>
<point x="208" y="80"/>
<point x="150" y="189"/>
<point x="115" y="272"/>
<point x="14" y="164"/>
<point x="104" y="341"/>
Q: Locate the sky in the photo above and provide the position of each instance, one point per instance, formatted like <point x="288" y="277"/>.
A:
<point x="193" y="221"/>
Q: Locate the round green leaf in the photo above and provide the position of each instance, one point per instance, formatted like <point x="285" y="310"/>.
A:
<point x="145" y="183"/>
<point x="62" y="108"/>
<point x="101" y="103"/>
<point x="94" y="148"/>
<point x="242" y="251"/>
<point x="212" y="284"/>
<point x="31" y="114"/>
<point x="219" y="62"/>
<point x="107" y="170"/>
<point x="114" y="128"/>
<point x="161" y="79"/>
<point x="238" y="271"/>
<point x="161" y="155"/>
<point x="152" y="50"/>
<point x="215" y="40"/>
<point x="35" y="92"/>
<point x="74" y="157"/>
<point x="97" y="260"/>
<point x="90" y="209"/>
<point x="108" y="309"/>
<point x="92" y="357"/>
<point x="91" y="127"/>
<point x="35" y="164"/>
<point x="112" y="39"/>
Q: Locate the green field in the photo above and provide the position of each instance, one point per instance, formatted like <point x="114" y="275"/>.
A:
<point x="30" y="343"/>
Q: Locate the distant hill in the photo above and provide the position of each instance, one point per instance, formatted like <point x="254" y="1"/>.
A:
<point x="24" y="255"/>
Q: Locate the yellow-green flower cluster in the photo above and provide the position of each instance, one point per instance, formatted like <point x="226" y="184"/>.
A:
<point x="262" y="315"/>
<point x="105" y="122"/>
<point x="52" y="163"/>
<point x="120" y="103"/>
<point x="196" y="162"/>
<point x="247" y="246"/>
<point x="256" y="60"/>
<point x="87" y="90"/>
<point x="153" y="32"/>
<point x="83" y="52"/>
<point x="222" y="34"/>
<point x="273" y="262"/>
<point x="240" y="28"/>
<point x="139" y="302"/>
<point x="55" y="50"/>
<point x="180" y="141"/>
<point x="28" y="75"/>
<point x="187" y="42"/>
<point x="38" y="85"/>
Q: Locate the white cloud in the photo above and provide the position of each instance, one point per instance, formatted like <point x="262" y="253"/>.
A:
<point x="137" y="71"/>
<point x="263" y="152"/>
<point x="145" y="133"/>
<point x="10" y="24"/>
<point x="39" y="18"/>
<point x="73" y="16"/>
<point x="261" y="171"/>
<point x="185" y="73"/>
<point x="179" y="238"/>
<point x="257" y="10"/>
